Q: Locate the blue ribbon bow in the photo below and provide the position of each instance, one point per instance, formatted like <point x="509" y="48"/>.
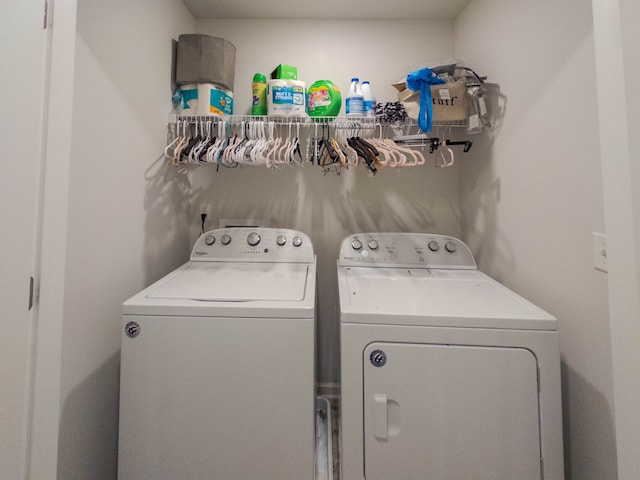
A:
<point x="422" y="80"/>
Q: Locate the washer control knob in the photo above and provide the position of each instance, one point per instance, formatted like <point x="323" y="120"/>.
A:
<point x="253" y="239"/>
<point x="226" y="239"/>
<point x="356" y="244"/>
<point x="297" y="241"/>
<point x="434" y="246"/>
<point x="450" y="247"/>
<point x="209" y="239"/>
<point x="372" y="244"/>
<point x="281" y="240"/>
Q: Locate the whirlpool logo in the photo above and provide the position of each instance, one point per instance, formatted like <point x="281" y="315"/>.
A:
<point x="378" y="358"/>
<point x="132" y="329"/>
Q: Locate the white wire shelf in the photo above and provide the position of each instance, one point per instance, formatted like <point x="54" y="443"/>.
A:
<point x="305" y="121"/>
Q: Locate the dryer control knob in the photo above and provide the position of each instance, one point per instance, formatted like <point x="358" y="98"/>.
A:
<point x="281" y="240"/>
<point x="226" y="239"/>
<point x="209" y="239"/>
<point x="373" y="245"/>
<point x="434" y="246"/>
<point x="253" y="239"/>
<point x="297" y="241"/>
<point x="450" y="247"/>
<point x="356" y="244"/>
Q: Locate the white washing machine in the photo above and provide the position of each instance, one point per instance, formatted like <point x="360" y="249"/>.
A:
<point x="217" y="372"/>
<point x="445" y="373"/>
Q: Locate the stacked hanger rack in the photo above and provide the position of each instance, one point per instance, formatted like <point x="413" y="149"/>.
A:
<point x="333" y="143"/>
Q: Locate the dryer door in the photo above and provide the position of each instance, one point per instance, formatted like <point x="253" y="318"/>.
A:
<point x="450" y="412"/>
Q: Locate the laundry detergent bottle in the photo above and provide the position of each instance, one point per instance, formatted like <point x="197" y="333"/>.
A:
<point x="324" y="99"/>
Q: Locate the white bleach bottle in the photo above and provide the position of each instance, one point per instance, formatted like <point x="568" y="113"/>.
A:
<point x="354" y="102"/>
<point x="369" y="100"/>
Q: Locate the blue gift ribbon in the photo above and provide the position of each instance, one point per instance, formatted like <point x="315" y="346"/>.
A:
<point x="422" y="80"/>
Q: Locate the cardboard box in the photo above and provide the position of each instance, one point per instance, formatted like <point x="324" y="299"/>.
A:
<point x="285" y="72"/>
<point x="449" y="101"/>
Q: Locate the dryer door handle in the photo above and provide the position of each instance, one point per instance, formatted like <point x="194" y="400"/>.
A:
<point x="380" y="417"/>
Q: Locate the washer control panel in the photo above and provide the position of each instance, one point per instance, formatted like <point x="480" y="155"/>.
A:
<point x="253" y="245"/>
<point x="411" y="250"/>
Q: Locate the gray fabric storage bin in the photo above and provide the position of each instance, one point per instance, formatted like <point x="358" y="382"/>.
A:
<point x="205" y="59"/>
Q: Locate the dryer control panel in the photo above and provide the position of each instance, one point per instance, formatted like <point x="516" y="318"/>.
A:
<point x="411" y="250"/>
<point x="253" y="245"/>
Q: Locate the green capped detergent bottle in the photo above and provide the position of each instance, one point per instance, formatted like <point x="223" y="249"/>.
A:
<point x="324" y="99"/>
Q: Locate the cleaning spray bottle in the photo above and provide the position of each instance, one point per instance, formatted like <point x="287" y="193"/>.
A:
<point x="259" y="91"/>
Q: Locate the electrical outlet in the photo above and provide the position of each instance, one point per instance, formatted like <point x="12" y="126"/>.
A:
<point x="600" y="252"/>
<point x="205" y="208"/>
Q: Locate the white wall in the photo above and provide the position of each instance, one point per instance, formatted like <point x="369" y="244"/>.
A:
<point x="127" y="210"/>
<point x="336" y="50"/>
<point x="328" y="208"/>
<point x="532" y="196"/>
<point x="618" y="67"/>
<point x="626" y="330"/>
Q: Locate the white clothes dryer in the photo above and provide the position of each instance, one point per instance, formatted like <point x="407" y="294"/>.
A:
<point x="445" y="373"/>
<point x="217" y="363"/>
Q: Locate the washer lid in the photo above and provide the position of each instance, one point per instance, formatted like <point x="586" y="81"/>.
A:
<point x="234" y="282"/>
<point x="455" y="298"/>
